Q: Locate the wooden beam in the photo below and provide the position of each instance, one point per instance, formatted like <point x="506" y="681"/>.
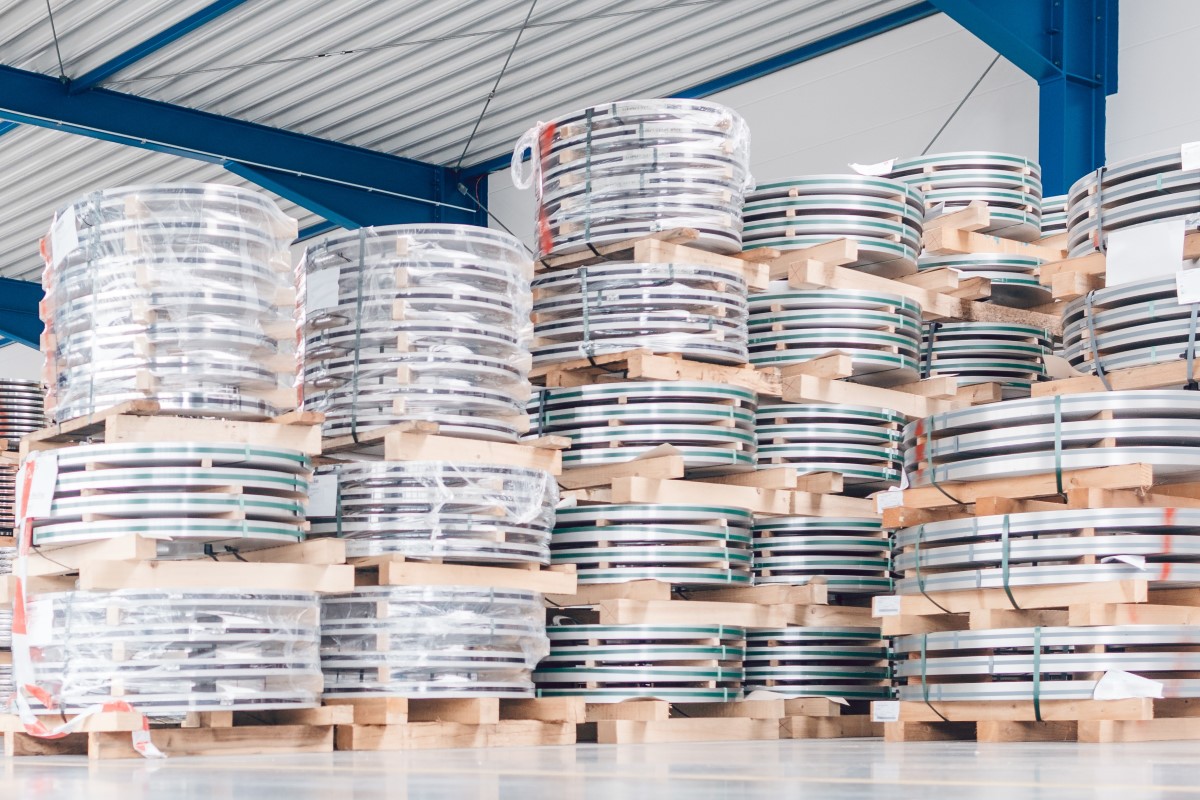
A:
<point x="1170" y="374"/>
<point x="1126" y="476"/>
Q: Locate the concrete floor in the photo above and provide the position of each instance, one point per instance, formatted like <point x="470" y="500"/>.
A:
<point x="846" y="769"/>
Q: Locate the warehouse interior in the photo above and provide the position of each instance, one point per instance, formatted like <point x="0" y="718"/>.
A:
<point x="571" y="398"/>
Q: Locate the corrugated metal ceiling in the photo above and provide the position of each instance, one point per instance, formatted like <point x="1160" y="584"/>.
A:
<point x="414" y="85"/>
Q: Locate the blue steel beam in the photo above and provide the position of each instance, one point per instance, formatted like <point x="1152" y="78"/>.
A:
<point x="1070" y="48"/>
<point x="759" y="69"/>
<point x="315" y="172"/>
<point x="19" y="320"/>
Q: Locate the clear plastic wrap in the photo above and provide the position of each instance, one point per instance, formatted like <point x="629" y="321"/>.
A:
<point x="180" y="293"/>
<point x="693" y="310"/>
<point x="185" y="495"/>
<point x="410" y="322"/>
<point x="437" y="509"/>
<point x="432" y="641"/>
<point x="635" y="167"/>
<point x="170" y="652"/>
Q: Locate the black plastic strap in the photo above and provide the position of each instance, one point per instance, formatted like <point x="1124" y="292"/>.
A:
<point x="1090" y="315"/>
<point x="920" y="577"/>
<point x="1190" y="352"/>
<point x="1004" y="566"/>
<point x="1058" y="472"/>
<point x="924" y="682"/>
<point x="930" y="337"/>
<point x="1037" y="673"/>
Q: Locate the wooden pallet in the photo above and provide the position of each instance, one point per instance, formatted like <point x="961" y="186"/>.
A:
<point x="397" y="723"/>
<point x="957" y="233"/>
<point x="1168" y="375"/>
<point x="211" y="733"/>
<point x="1072" y="278"/>
<point x="643" y="364"/>
<point x="395" y="570"/>
<point x="420" y="441"/>
<point x="665" y="247"/>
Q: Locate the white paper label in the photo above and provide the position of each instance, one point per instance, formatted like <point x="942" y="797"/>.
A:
<point x="1189" y="154"/>
<point x="892" y="498"/>
<point x="41" y="487"/>
<point x="323" y="495"/>
<point x="1187" y="286"/>
<point x="1120" y="685"/>
<point x="321" y="289"/>
<point x="1139" y="562"/>
<point x="882" y="168"/>
<point x="1145" y="252"/>
<point x="64" y="237"/>
<point x="885" y="605"/>
<point x="885" y="711"/>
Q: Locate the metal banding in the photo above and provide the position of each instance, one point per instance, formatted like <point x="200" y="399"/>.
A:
<point x="169" y="652"/>
<point x="431" y="641"/>
<point x="849" y="663"/>
<point x="848" y="554"/>
<point x="635" y="167"/>
<point x="881" y="332"/>
<point x="611" y="663"/>
<point x="682" y="545"/>
<point x="181" y="292"/>
<point x="983" y="352"/>
<point x="423" y="323"/>
<point x="693" y="310"/>
<point x="712" y="424"/>
<point x="1010" y="185"/>
<point x="1138" y="190"/>
<point x="1048" y="434"/>
<point x="1050" y="663"/>
<point x="434" y="509"/>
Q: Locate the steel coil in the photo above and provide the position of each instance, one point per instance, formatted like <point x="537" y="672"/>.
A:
<point x="1010" y="185"/>
<point x="1050" y="663"/>
<point x="1013" y="278"/>
<point x="695" y="311"/>
<point x="442" y="510"/>
<point x="884" y="217"/>
<point x="1054" y="215"/>
<point x="1011" y="355"/>
<point x="180" y="293"/>
<point x="431" y="641"/>
<point x="847" y="663"/>
<point x="21" y="413"/>
<point x="847" y="554"/>
<point x="418" y="323"/>
<point x="170" y="652"/>
<point x="612" y="663"/>
<point x="1047" y="434"/>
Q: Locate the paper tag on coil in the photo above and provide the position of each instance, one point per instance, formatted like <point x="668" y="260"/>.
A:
<point x="323" y="495"/>
<point x="1145" y="252"/>
<point x="1138" y="562"/>
<point x="43" y="481"/>
<point x="885" y="711"/>
<point x="64" y="237"/>
<point x="1189" y="155"/>
<point x="885" y="605"/>
<point x="874" y="170"/>
<point x="1117" y="684"/>
<point x="321" y="289"/>
<point x="1187" y="286"/>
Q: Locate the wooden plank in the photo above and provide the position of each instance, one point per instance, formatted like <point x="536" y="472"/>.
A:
<point x="614" y="250"/>
<point x="785" y="478"/>
<point x="104" y="721"/>
<point x="636" y="710"/>
<point x="769" y="594"/>
<point x="811" y="707"/>
<point x="1126" y="476"/>
<point x="811" y="389"/>
<point x="445" y="735"/>
<point x="928" y="732"/>
<point x="1024" y="731"/>
<point x="972" y="218"/>
<point x="805" y="504"/>
<point x="1150" y="730"/>
<point x="326" y="550"/>
<point x="942" y="387"/>
<point x="737" y="709"/>
<point x="833" y="365"/>
<point x="908" y="625"/>
<point x="669" y="612"/>
<point x="213" y="575"/>
<point x="1171" y="374"/>
<point x="86" y="424"/>
<point x="982" y="619"/>
<point x="657" y="251"/>
<point x="1023" y="711"/>
<point x="425" y="447"/>
<point x="469" y="711"/>
<point x="813" y="616"/>
<point x="1132" y="614"/>
<point x="397" y="572"/>
<point x="957" y="241"/>
<point x="675" y="492"/>
<point x="664" y="467"/>
<point x="813" y="273"/>
<point x="990" y="312"/>
<point x="648" y="366"/>
<point x="1124" y="591"/>
<point x="373" y="710"/>
<point x="858" y="726"/>
<point x="305" y="438"/>
<point x="546" y="709"/>
<point x="833" y="253"/>
<point x="67" y="559"/>
<point x="588" y="594"/>
<point x="1127" y="498"/>
<point x="248" y="740"/>
<point x="686" y="730"/>
<point x="1096" y="263"/>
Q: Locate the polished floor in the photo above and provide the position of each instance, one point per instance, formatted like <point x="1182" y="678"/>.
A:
<point x="845" y="769"/>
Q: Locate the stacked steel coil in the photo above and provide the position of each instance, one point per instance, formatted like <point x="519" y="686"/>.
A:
<point x="1149" y="188"/>
<point x="1045" y="435"/>
<point x="848" y="663"/>
<point x="676" y="544"/>
<point x="185" y="495"/>
<point x="1051" y="547"/>
<point x="861" y="443"/>
<point x="847" y="554"/>
<point x="636" y="167"/>
<point x="611" y="663"/>
<point x="436" y="509"/>
<point x="1014" y="278"/>
<point x="881" y="332"/>
<point x="1010" y="185"/>
<point x="711" y="424"/>
<point x="1045" y="664"/>
<point x="431" y="641"/>
<point x="180" y="293"/>
<point x="1010" y="354"/>
<point x="21" y="413"/>
<point x="693" y="310"/>
<point x="410" y="322"/>
<point x="884" y="217"/>
<point x="170" y="652"/>
<point x="1054" y="215"/>
<point x="1131" y="325"/>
